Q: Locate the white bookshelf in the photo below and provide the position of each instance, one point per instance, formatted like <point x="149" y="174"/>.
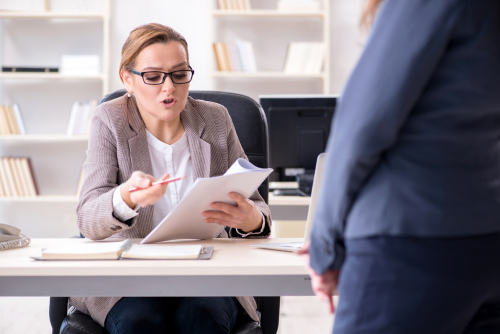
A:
<point x="50" y="76"/>
<point x="266" y="13"/>
<point x="42" y="199"/>
<point x="265" y="74"/>
<point x="43" y="138"/>
<point x="257" y="15"/>
<point x="51" y="15"/>
<point x="56" y="158"/>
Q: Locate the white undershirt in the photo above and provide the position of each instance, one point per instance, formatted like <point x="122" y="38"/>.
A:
<point x="174" y="159"/>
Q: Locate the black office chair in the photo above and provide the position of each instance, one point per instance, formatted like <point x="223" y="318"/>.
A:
<point x="251" y="126"/>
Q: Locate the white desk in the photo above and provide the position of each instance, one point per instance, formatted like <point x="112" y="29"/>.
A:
<point x="289" y="207"/>
<point x="235" y="269"/>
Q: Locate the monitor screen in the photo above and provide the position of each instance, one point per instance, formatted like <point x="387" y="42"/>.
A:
<point x="299" y="126"/>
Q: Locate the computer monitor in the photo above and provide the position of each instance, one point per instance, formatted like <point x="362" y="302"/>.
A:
<point x="299" y="126"/>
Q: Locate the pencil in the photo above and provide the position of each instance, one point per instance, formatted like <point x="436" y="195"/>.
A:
<point x="159" y="182"/>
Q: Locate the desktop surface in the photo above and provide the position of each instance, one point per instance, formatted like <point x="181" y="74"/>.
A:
<point x="234" y="269"/>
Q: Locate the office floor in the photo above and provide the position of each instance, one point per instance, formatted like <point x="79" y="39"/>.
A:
<point x="31" y="315"/>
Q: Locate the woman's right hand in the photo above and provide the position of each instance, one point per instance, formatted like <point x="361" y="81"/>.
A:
<point x="144" y="197"/>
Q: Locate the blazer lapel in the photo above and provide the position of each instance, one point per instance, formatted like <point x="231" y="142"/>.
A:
<point x="199" y="149"/>
<point x="138" y="144"/>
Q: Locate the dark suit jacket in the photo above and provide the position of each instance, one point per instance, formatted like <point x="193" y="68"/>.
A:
<point x="118" y="146"/>
<point x="415" y="146"/>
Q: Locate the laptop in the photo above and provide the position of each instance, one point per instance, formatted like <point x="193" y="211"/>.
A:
<point x="295" y="246"/>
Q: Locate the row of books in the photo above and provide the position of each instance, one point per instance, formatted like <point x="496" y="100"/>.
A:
<point x="304" y="58"/>
<point x="80" y="118"/>
<point x="16" y="178"/>
<point x="234" y="4"/>
<point x="236" y="56"/>
<point x="11" y="121"/>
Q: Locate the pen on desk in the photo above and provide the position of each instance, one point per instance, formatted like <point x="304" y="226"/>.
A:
<point x="159" y="182"/>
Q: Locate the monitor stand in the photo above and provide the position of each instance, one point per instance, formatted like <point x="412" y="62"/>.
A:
<point x="304" y="183"/>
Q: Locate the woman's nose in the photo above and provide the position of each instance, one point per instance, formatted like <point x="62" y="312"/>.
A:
<point x="168" y="86"/>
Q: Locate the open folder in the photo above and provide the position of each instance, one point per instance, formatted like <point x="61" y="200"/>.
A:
<point x="186" y="220"/>
<point x="125" y="250"/>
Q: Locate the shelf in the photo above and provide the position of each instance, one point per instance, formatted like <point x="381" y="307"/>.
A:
<point x="28" y="75"/>
<point x="41" y="199"/>
<point x="44" y="138"/>
<point x="288" y="200"/>
<point x="50" y="15"/>
<point x="266" y="13"/>
<point x="265" y="75"/>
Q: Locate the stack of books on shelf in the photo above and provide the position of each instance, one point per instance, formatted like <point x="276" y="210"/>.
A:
<point x="16" y="178"/>
<point x="80" y="118"/>
<point x="299" y="5"/>
<point x="237" y="56"/>
<point x="11" y="121"/>
<point x="304" y="58"/>
<point x="234" y="4"/>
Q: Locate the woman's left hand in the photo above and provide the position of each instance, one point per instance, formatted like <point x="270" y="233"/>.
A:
<point x="244" y="216"/>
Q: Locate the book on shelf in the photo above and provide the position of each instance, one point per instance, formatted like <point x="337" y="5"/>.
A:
<point x="16" y="178"/>
<point x="125" y="250"/>
<point x="235" y="56"/>
<point x="11" y="121"/>
<point x="299" y="5"/>
<point x="80" y="118"/>
<point x="234" y="5"/>
<point x="304" y="58"/>
<point x="25" y="69"/>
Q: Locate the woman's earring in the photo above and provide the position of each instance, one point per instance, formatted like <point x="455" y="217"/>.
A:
<point x="129" y="95"/>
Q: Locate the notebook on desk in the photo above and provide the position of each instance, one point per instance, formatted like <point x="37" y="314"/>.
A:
<point x="318" y="180"/>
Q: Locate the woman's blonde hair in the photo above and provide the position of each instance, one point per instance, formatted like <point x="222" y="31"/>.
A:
<point x="143" y="36"/>
<point x="369" y="13"/>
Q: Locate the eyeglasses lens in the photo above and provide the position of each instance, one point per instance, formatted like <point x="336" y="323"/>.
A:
<point x="156" y="78"/>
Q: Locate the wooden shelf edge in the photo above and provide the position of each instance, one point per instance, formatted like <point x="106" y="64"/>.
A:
<point x="50" y="15"/>
<point x="41" y="199"/>
<point x="28" y="75"/>
<point x="266" y="13"/>
<point x="44" y="138"/>
<point x="234" y="74"/>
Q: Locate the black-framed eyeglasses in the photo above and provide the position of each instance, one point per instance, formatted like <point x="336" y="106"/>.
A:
<point x="158" y="77"/>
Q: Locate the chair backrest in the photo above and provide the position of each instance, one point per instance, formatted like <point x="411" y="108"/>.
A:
<point x="249" y="121"/>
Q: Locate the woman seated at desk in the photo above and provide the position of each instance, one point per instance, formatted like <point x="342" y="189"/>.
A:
<point x="154" y="132"/>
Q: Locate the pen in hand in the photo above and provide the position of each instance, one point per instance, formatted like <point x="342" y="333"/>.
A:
<point x="159" y="182"/>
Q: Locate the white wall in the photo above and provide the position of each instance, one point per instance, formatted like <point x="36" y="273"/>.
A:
<point x="46" y="104"/>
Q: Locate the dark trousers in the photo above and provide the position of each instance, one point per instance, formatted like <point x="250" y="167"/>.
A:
<point x="173" y="315"/>
<point x="420" y="285"/>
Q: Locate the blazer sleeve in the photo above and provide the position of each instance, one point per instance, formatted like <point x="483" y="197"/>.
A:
<point x="95" y="208"/>
<point x="235" y="151"/>
<point x="407" y="42"/>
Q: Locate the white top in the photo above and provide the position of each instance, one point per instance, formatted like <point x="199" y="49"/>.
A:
<point x="174" y="159"/>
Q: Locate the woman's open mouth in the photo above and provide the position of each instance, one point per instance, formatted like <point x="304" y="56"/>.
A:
<point x="169" y="102"/>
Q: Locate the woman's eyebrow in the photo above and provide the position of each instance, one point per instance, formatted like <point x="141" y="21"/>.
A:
<point x="160" y="69"/>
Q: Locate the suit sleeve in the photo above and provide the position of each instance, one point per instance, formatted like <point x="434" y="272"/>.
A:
<point x="407" y="42"/>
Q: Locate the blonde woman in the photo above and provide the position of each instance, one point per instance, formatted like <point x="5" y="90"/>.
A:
<point x="153" y="132"/>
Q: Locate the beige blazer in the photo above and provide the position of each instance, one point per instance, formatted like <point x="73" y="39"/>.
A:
<point x="118" y="146"/>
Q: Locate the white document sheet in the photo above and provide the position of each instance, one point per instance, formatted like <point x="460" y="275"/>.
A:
<point x="186" y="220"/>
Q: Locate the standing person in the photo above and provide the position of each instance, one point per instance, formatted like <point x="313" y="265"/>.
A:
<point x="410" y="207"/>
<point x="153" y="131"/>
